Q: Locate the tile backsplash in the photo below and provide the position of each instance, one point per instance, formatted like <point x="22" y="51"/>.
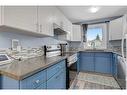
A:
<point x="74" y="45"/>
<point x="116" y="45"/>
<point x="25" y="41"/>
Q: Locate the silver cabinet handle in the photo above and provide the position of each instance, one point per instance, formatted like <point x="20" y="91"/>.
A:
<point x="37" y="81"/>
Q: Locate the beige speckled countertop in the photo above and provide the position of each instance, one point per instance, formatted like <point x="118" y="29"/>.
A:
<point x="21" y="69"/>
<point x="98" y="50"/>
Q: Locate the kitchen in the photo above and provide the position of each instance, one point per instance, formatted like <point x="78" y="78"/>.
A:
<point x="60" y="47"/>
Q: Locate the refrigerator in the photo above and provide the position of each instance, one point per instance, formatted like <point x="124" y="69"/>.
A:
<point x="122" y="60"/>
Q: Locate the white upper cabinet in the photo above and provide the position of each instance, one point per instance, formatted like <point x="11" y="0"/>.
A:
<point x="46" y="18"/>
<point x="58" y="16"/>
<point x="116" y="29"/>
<point x="33" y="19"/>
<point x="63" y="22"/>
<point x="68" y="29"/>
<point x="0" y="15"/>
<point x="67" y="26"/>
<point x="21" y="17"/>
<point x="76" y="33"/>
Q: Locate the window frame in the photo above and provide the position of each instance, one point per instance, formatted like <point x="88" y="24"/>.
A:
<point x="104" y="33"/>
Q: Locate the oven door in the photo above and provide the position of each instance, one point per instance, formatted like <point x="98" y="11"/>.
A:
<point x="71" y="72"/>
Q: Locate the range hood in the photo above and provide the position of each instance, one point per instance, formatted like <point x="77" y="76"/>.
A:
<point x="58" y="30"/>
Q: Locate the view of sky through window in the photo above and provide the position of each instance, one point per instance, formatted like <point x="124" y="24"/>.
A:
<point x="93" y="32"/>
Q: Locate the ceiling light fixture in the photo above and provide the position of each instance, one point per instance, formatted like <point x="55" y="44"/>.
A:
<point x="94" y="9"/>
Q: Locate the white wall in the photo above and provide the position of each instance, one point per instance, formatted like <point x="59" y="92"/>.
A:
<point x="25" y="41"/>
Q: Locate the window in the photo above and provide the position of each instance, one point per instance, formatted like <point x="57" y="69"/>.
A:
<point x="96" y="36"/>
<point x="93" y="33"/>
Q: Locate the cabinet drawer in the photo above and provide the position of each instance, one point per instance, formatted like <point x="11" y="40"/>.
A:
<point x="101" y="54"/>
<point x="33" y="81"/>
<point x="42" y="86"/>
<point x="58" y="81"/>
<point x="87" y="54"/>
<point x="55" y="68"/>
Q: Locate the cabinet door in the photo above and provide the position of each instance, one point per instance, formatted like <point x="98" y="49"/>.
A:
<point x="58" y="81"/>
<point x="9" y="83"/>
<point x="45" y="19"/>
<point x="51" y="71"/>
<point x="69" y="30"/>
<point x="115" y="29"/>
<point x="78" y="61"/>
<point x="76" y="33"/>
<point x="86" y="61"/>
<point x="63" y="22"/>
<point x="114" y="64"/>
<point x="42" y="86"/>
<point x="58" y="17"/>
<point x="33" y="81"/>
<point x="0" y="15"/>
<point x="21" y="17"/>
<point x="103" y="62"/>
<point x="0" y="82"/>
<point x="102" y="65"/>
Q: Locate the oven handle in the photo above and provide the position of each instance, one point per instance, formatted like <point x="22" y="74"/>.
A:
<point x="72" y="62"/>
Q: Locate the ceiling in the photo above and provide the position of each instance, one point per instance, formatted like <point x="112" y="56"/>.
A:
<point x="78" y="14"/>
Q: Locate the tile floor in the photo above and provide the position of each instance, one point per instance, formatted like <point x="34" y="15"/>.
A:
<point x="88" y="80"/>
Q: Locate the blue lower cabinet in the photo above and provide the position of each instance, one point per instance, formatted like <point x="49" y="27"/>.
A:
<point x="114" y="64"/>
<point x="9" y="83"/>
<point x="33" y="81"/>
<point x="58" y="81"/>
<point x="78" y="64"/>
<point x="56" y="76"/>
<point x="96" y="61"/>
<point x="86" y="61"/>
<point x="0" y="81"/>
<point x="87" y="64"/>
<point x="103" y="65"/>
<point x="42" y="86"/>
<point x="52" y="77"/>
<point x="103" y="54"/>
<point x="78" y="61"/>
<point x="103" y="62"/>
<point x="55" y="68"/>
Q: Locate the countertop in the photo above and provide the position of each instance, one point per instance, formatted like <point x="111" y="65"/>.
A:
<point x="105" y="50"/>
<point x="97" y="50"/>
<point x="21" y="69"/>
